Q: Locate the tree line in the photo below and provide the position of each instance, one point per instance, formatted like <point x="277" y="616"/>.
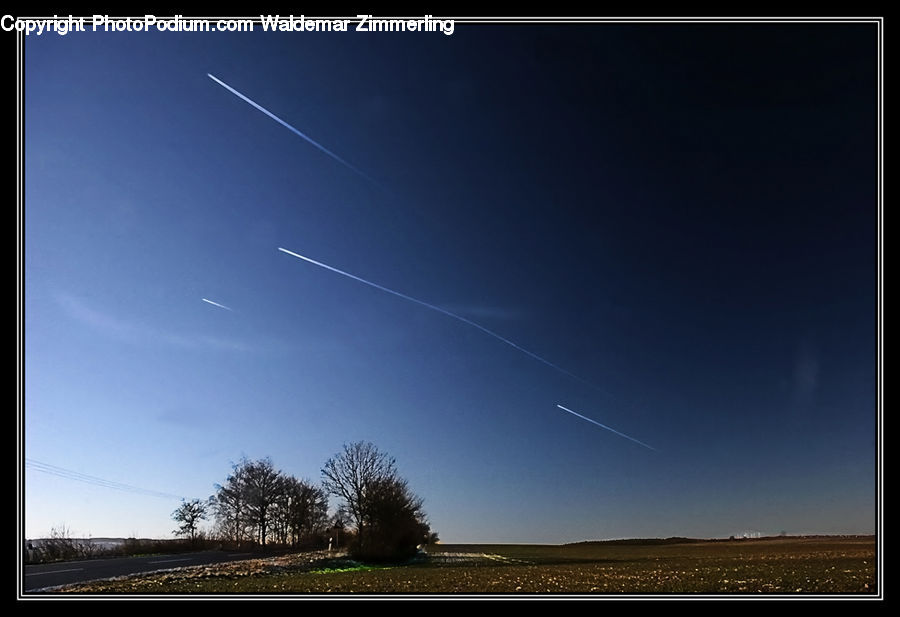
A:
<point x="378" y="516"/>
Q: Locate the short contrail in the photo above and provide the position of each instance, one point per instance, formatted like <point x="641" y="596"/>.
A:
<point x="217" y="304"/>
<point x="606" y="427"/>
<point x="289" y="127"/>
<point x="440" y="310"/>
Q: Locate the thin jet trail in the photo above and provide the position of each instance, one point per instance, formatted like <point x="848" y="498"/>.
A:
<point x="217" y="304"/>
<point x="606" y="427"/>
<point x="290" y="128"/>
<point x="443" y="311"/>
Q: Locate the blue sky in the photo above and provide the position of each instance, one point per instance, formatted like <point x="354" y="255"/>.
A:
<point x="682" y="215"/>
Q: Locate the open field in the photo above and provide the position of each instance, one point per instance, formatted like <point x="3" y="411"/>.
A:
<point x="796" y="566"/>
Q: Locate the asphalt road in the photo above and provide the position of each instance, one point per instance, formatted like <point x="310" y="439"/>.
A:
<point x="41" y="576"/>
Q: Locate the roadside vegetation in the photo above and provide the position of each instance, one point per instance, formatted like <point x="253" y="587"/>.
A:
<point x="377" y="517"/>
<point x="61" y="546"/>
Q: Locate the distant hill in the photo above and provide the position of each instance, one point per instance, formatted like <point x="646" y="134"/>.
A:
<point x="680" y="540"/>
<point x="634" y="541"/>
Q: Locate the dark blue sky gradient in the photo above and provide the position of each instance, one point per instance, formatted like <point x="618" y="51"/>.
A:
<point x="685" y="215"/>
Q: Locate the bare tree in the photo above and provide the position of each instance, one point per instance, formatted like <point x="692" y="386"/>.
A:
<point x="260" y="502"/>
<point x="389" y="518"/>
<point x="351" y="473"/>
<point x="262" y="485"/>
<point x="189" y="514"/>
<point x="307" y="509"/>
<point x="229" y="504"/>
<point x="279" y="516"/>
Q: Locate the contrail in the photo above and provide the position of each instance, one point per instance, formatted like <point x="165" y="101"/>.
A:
<point x="216" y="304"/>
<point x="289" y="127"/>
<point x="606" y="427"/>
<point x="443" y="311"/>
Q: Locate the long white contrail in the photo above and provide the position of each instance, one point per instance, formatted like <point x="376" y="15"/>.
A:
<point x="289" y="127"/>
<point x="217" y="304"/>
<point x="606" y="427"/>
<point x="440" y="310"/>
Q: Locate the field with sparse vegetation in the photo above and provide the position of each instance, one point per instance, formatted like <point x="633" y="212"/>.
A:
<point x="819" y="565"/>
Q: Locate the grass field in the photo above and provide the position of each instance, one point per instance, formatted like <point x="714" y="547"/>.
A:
<point x="795" y="566"/>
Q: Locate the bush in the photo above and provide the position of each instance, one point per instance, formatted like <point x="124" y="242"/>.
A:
<point x="394" y="524"/>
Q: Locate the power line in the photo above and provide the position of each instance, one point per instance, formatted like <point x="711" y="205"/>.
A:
<point x="82" y="477"/>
